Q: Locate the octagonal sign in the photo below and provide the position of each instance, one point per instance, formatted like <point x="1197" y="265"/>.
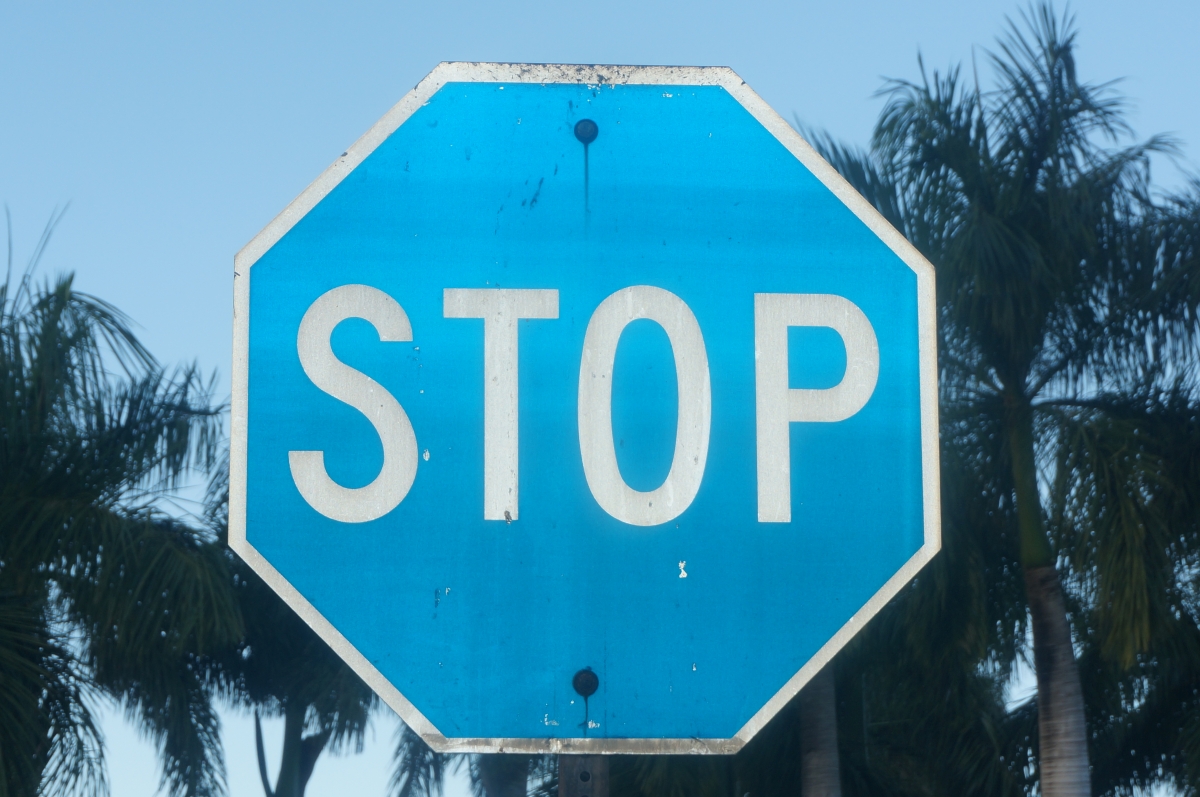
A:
<point x="563" y="369"/>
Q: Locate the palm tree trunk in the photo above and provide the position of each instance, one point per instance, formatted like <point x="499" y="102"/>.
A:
<point x="1062" y="726"/>
<point x="299" y="753"/>
<point x="262" y="756"/>
<point x="1062" y="729"/>
<point x="820" y="769"/>
<point x="288" y="783"/>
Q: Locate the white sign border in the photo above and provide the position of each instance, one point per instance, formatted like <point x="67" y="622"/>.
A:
<point x="600" y="75"/>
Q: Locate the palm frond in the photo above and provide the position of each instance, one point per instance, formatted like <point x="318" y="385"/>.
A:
<point x="120" y="600"/>
<point x="419" y="771"/>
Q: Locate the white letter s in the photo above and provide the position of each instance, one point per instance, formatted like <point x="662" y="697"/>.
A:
<point x="327" y="372"/>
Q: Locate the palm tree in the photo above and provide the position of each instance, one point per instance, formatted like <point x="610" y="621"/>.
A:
<point x="1141" y="661"/>
<point x="1062" y="295"/>
<point x="101" y="595"/>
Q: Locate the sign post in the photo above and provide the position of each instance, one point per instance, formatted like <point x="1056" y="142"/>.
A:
<point x="584" y="410"/>
<point x="582" y="776"/>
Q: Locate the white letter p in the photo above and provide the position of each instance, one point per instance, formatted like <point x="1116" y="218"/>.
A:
<point x="777" y="405"/>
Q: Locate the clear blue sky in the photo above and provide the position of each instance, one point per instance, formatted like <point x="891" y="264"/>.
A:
<point x="177" y="130"/>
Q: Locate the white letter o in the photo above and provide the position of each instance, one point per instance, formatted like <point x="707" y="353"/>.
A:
<point x="677" y="492"/>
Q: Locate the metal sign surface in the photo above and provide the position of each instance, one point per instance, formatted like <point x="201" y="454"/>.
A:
<point x="563" y="368"/>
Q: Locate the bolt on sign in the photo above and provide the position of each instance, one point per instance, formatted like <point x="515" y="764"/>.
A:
<point x="584" y="409"/>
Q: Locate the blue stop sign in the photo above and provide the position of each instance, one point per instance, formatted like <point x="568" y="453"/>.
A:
<point x="566" y="370"/>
